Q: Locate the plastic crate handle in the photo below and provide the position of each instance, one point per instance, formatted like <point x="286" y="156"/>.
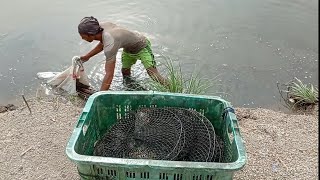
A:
<point x="229" y="111"/>
<point x="81" y="119"/>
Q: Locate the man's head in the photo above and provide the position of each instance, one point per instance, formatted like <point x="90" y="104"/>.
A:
<point x="88" y="28"/>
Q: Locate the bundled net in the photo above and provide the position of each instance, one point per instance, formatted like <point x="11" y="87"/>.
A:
<point x="169" y="133"/>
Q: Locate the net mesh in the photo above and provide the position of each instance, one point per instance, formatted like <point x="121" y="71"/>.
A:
<point x="169" y="133"/>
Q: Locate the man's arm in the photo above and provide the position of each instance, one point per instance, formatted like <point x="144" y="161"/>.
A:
<point x="109" y="68"/>
<point x="93" y="52"/>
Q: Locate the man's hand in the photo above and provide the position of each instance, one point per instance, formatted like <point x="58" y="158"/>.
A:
<point x="84" y="58"/>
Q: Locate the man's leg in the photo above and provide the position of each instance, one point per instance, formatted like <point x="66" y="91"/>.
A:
<point x="155" y="75"/>
<point x="127" y="61"/>
<point x="126" y="72"/>
<point x="147" y="58"/>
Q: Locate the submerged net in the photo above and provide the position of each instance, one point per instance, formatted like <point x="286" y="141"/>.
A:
<point x="169" y="133"/>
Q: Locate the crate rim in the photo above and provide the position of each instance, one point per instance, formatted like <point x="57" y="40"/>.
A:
<point x="159" y="164"/>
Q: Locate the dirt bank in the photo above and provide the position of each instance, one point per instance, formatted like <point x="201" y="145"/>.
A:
<point x="32" y="146"/>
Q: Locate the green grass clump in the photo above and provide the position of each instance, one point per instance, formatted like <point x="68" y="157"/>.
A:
<point x="178" y="82"/>
<point x="300" y="95"/>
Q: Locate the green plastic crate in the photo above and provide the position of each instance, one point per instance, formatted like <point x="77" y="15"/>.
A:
<point x="104" y="108"/>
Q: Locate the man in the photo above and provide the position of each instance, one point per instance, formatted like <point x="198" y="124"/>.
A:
<point x="111" y="38"/>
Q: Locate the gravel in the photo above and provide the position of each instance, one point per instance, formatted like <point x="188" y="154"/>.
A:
<point x="278" y="145"/>
<point x="32" y="146"/>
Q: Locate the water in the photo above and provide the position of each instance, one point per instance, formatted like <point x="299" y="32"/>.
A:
<point x="250" y="44"/>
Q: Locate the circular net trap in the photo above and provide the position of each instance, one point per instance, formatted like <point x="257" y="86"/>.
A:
<point x="169" y="133"/>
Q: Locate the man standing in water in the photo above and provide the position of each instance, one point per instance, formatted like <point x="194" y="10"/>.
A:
<point x="111" y="38"/>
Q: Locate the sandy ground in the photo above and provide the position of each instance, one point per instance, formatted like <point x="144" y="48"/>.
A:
<point x="278" y="145"/>
<point x="32" y="146"/>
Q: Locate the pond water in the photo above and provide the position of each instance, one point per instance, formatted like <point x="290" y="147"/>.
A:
<point x="247" y="46"/>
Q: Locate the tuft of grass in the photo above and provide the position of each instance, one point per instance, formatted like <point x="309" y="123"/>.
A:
<point x="302" y="93"/>
<point x="299" y="95"/>
<point x="178" y="82"/>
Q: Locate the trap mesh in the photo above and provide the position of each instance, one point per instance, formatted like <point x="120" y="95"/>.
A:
<point x="117" y="140"/>
<point x="164" y="134"/>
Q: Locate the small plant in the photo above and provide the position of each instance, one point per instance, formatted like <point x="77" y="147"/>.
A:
<point x="298" y="95"/>
<point x="73" y="98"/>
<point x="177" y="82"/>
